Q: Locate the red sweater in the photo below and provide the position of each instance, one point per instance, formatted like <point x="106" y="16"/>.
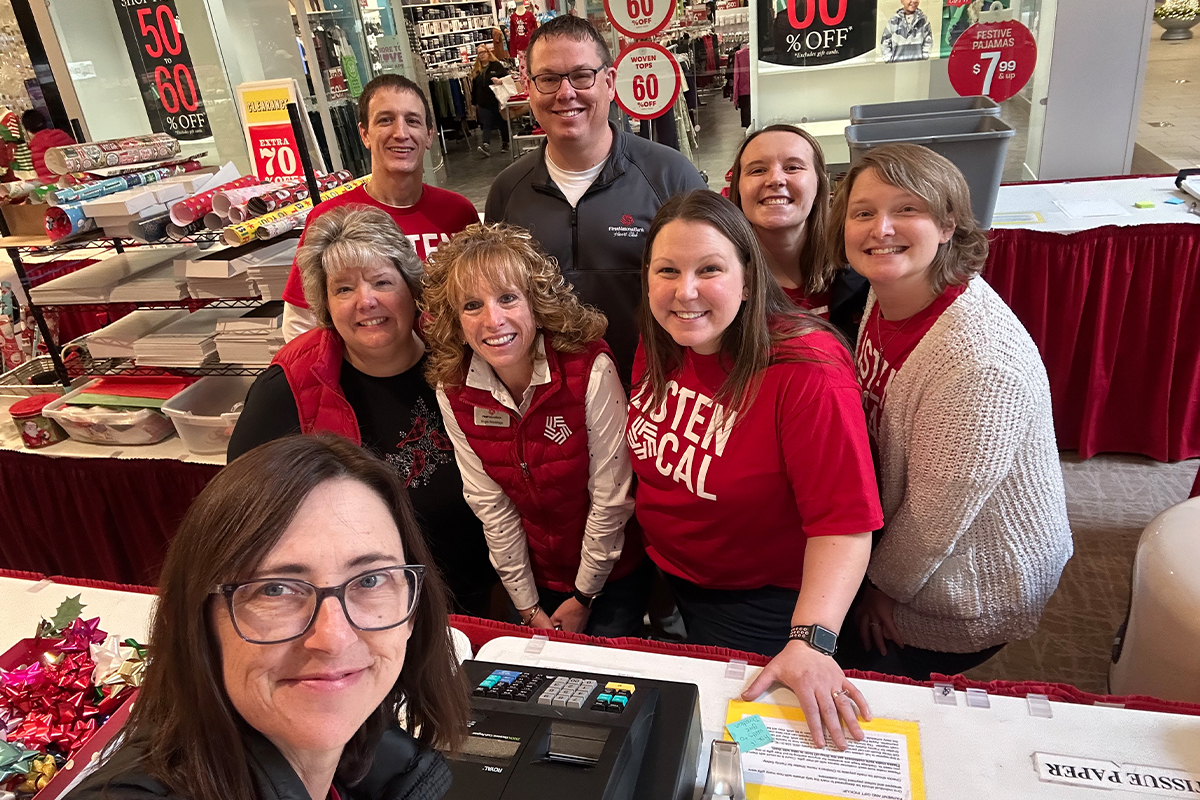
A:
<point x="546" y="478"/>
<point x="40" y="143"/>
<point x="731" y="506"/>
<point x="433" y="219"/>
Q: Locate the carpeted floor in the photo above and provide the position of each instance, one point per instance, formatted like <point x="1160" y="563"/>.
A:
<point x="1110" y="499"/>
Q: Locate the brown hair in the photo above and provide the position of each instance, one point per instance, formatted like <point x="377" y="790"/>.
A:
<point x="766" y="318"/>
<point x="184" y="722"/>
<point x="399" y="83"/>
<point x="939" y="183"/>
<point x="574" y="28"/>
<point x="816" y="267"/>
<point x="347" y="235"/>
<point x="501" y="256"/>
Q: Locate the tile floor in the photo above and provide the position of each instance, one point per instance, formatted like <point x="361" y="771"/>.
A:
<point x="1166" y="99"/>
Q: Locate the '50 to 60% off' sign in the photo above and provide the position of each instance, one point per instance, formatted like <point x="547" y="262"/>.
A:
<point x="648" y="80"/>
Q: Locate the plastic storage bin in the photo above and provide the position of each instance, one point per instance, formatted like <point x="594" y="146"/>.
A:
<point x="113" y="426"/>
<point x="976" y="145"/>
<point x="977" y="106"/>
<point x="205" y="412"/>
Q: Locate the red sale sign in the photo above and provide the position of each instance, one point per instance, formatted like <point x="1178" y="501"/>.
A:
<point x="648" y="80"/>
<point x="639" y="19"/>
<point x="994" y="59"/>
<point x="275" y="152"/>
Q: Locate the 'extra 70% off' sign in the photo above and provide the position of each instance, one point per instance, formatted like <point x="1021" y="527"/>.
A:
<point x="648" y="80"/>
<point x="994" y="59"/>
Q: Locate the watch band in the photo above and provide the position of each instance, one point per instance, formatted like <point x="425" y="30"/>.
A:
<point x="817" y="637"/>
<point x="583" y="599"/>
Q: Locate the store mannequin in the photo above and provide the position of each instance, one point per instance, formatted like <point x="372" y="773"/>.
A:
<point x="521" y="26"/>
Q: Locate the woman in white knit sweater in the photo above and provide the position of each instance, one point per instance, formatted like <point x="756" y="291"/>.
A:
<point x="958" y="406"/>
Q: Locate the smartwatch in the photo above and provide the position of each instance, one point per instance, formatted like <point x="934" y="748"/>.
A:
<point x="583" y="599"/>
<point x="817" y="637"/>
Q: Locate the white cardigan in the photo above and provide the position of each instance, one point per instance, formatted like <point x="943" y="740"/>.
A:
<point x="976" y="532"/>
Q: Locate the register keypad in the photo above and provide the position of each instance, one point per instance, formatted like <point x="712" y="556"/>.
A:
<point x="564" y="692"/>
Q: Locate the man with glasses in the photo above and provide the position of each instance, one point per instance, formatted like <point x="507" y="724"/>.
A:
<point x="590" y="193"/>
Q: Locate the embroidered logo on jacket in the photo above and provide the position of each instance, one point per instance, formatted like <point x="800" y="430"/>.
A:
<point x="422" y="448"/>
<point x="557" y="430"/>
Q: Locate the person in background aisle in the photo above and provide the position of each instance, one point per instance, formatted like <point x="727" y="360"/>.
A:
<point x="741" y="83"/>
<point x="298" y="623"/>
<point x="589" y="194"/>
<point x="958" y="406"/>
<point x="42" y="138"/>
<point x="488" y="70"/>
<point x="396" y="124"/>
<point x="780" y="182"/>
<point x="536" y="412"/>
<point x="908" y="35"/>
<point x="360" y="374"/>
<point x="756" y="493"/>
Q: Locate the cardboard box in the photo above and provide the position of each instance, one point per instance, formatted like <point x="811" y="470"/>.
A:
<point x="25" y="219"/>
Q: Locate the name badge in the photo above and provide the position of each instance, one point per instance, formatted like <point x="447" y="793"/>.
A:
<point x="487" y="418"/>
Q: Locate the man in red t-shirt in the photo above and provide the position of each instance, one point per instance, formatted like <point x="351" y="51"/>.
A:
<point x="396" y="125"/>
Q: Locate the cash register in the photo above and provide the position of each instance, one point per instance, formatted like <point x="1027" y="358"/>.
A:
<point x="541" y="732"/>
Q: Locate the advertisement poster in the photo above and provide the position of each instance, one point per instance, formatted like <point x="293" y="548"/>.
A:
<point x="648" y="80"/>
<point x="958" y="15"/>
<point x="163" y="67"/>
<point x="994" y="59"/>
<point x="909" y="30"/>
<point x="810" y="33"/>
<point x="274" y="149"/>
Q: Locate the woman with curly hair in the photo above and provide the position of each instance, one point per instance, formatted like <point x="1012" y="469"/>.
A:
<point x="535" y="408"/>
<point x="975" y="530"/>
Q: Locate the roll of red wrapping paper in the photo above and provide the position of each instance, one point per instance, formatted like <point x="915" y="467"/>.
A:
<point x="67" y="220"/>
<point x="245" y="231"/>
<point x="270" y="230"/>
<point x="240" y="213"/>
<point x="285" y="195"/>
<point x="111" y="153"/>
<point x="224" y="201"/>
<point x="187" y="211"/>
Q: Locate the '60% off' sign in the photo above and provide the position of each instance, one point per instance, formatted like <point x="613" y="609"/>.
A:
<point x="648" y="80"/>
<point x="639" y="19"/>
<point x="994" y="59"/>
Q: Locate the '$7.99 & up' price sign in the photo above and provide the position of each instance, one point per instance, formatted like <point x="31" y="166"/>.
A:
<point x="994" y="59"/>
<point x="648" y="80"/>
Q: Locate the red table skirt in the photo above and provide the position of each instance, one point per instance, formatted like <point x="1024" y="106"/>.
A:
<point x="108" y="519"/>
<point x="1115" y="312"/>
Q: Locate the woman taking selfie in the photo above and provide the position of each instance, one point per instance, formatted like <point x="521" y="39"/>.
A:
<point x="780" y="183"/>
<point x="756" y="494"/>
<point x="958" y="406"/>
<point x="298" y="623"/>
<point x="536" y="411"/>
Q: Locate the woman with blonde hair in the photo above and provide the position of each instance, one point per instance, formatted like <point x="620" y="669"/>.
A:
<point x="958" y="406"/>
<point x="487" y="71"/>
<point x="536" y="410"/>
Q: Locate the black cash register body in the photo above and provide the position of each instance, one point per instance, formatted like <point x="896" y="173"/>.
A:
<point x="552" y="733"/>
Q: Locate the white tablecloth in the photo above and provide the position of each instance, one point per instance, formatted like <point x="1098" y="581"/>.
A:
<point x="1054" y="201"/>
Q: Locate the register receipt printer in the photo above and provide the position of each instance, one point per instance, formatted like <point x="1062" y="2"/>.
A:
<point x="552" y="733"/>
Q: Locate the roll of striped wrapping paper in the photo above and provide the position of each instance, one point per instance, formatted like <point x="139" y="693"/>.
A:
<point x="290" y="193"/>
<point x="195" y="207"/>
<point x="224" y="201"/>
<point x="245" y="231"/>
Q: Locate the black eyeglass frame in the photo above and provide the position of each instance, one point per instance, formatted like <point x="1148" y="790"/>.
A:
<point x="566" y="76"/>
<point x="322" y="592"/>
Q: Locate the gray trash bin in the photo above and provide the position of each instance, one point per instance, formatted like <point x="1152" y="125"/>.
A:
<point x="976" y="145"/>
<point x="977" y="106"/>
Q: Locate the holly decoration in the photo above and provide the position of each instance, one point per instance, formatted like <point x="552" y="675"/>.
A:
<point x="68" y="611"/>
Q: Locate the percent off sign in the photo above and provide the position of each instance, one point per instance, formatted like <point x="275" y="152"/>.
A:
<point x="648" y="80"/>
<point x="639" y="19"/>
<point x="994" y="59"/>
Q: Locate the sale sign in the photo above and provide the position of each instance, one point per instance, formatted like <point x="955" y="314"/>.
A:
<point x="639" y="19"/>
<point x="273" y="147"/>
<point x="648" y="80"/>
<point x="994" y="59"/>
<point x="809" y="33"/>
<point x="163" y="67"/>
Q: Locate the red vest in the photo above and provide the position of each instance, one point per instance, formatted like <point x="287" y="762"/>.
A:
<point x="312" y="364"/>
<point x="541" y="462"/>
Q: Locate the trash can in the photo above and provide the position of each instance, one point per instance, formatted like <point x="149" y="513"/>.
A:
<point x="976" y="145"/>
<point x="977" y="106"/>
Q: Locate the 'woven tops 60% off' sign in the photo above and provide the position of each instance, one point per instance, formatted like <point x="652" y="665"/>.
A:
<point x="648" y="80"/>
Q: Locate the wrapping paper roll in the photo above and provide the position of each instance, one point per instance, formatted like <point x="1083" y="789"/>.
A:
<point x="183" y="231"/>
<point x="285" y="195"/>
<point x="88" y="191"/>
<point x="41" y="193"/>
<point x="18" y="189"/>
<point x="111" y="153"/>
<point x="245" y="231"/>
<point x="214" y="221"/>
<point x="224" y="201"/>
<point x="151" y="229"/>
<point x="67" y="220"/>
<point x="240" y="213"/>
<point x="279" y="227"/>
<point x="195" y="207"/>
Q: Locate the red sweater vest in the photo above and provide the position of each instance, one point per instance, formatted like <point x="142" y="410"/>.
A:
<point x="312" y="364"/>
<point x="541" y="462"/>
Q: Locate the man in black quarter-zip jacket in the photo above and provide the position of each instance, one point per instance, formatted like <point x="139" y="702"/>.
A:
<point x="590" y="193"/>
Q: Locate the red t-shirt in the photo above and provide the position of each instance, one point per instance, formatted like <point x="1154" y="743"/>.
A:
<point x="885" y="346"/>
<point x="429" y="222"/>
<point x="731" y="506"/>
<point x="519" y="30"/>
<point x="817" y="303"/>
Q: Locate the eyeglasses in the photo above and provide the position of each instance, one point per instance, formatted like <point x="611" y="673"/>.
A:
<point x="548" y="82"/>
<point x="275" y="610"/>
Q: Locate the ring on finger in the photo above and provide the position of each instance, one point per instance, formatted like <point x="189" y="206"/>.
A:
<point x="838" y="693"/>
